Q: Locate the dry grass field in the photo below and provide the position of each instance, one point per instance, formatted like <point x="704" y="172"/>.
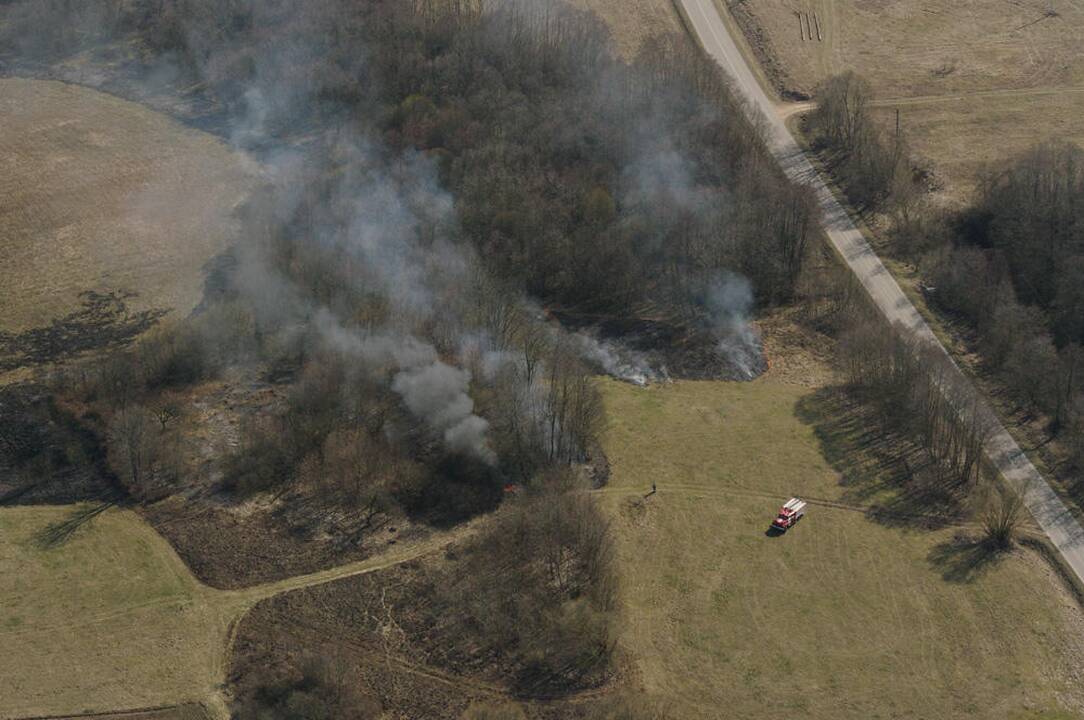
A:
<point x="110" y="620"/>
<point x="963" y="136"/>
<point x="102" y="194"/>
<point x="631" y="22"/>
<point x="975" y="80"/>
<point x="843" y="617"/>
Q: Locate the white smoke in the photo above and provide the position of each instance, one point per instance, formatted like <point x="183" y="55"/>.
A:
<point x="432" y="390"/>
<point x="730" y="302"/>
<point x="619" y="361"/>
<point x="438" y="394"/>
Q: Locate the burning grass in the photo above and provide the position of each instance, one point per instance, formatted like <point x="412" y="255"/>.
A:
<point x="845" y="616"/>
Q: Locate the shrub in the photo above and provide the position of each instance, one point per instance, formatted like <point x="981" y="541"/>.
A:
<point x="319" y="689"/>
<point x="1001" y="517"/>
<point x="537" y="589"/>
<point x="171" y="356"/>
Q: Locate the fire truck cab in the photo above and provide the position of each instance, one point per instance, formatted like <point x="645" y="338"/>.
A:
<point x="791" y="512"/>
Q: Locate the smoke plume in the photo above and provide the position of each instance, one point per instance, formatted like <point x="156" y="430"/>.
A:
<point x="730" y="302"/>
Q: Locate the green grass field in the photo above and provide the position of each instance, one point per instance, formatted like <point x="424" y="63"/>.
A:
<point x="111" y="619"/>
<point x="843" y="617"/>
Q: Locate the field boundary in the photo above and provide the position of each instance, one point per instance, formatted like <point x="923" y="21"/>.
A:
<point x="115" y="713"/>
<point x="1046" y="550"/>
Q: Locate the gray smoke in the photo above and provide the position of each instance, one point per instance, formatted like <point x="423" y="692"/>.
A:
<point x="392" y="222"/>
<point x="619" y="361"/>
<point x="730" y="301"/>
<point x="438" y="393"/>
<point x="432" y="390"/>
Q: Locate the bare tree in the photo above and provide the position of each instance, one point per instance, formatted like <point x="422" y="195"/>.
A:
<point x="843" y="109"/>
<point x="134" y="449"/>
<point x="166" y="411"/>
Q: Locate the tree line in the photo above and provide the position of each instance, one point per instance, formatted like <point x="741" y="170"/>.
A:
<point x="1009" y="265"/>
<point x="592" y="184"/>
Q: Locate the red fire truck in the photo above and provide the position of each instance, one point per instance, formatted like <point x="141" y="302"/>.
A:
<point x="791" y="512"/>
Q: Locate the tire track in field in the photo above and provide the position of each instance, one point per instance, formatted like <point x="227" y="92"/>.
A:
<point x="724" y="491"/>
<point x="978" y="94"/>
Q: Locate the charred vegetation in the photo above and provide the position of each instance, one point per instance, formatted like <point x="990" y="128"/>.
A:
<point x="373" y="360"/>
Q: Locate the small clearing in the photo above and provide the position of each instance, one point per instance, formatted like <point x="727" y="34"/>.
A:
<point x="847" y="615"/>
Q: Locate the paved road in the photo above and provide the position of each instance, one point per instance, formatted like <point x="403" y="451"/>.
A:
<point x="1059" y="525"/>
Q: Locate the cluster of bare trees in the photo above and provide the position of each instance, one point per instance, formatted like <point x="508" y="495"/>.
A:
<point x="916" y="395"/>
<point x="913" y="389"/>
<point x="874" y="170"/>
<point x="1013" y="270"/>
<point x="1011" y="265"/>
<point x="142" y="454"/>
<point x="555" y="631"/>
<point x="600" y="186"/>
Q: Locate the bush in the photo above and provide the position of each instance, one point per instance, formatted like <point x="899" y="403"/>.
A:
<point x="265" y="460"/>
<point x="1001" y="517"/>
<point x="171" y="356"/>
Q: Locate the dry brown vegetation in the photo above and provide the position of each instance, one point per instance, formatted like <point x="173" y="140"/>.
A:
<point x="632" y="23"/>
<point x="427" y="639"/>
<point x="103" y="195"/>
<point x="976" y="81"/>
<point x="191" y="711"/>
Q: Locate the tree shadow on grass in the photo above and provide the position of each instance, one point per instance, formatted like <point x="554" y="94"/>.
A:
<point x="883" y="473"/>
<point x="964" y="559"/>
<point x="60" y="532"/>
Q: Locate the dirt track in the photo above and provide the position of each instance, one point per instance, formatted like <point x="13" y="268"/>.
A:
<point x="215" y="616"/>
